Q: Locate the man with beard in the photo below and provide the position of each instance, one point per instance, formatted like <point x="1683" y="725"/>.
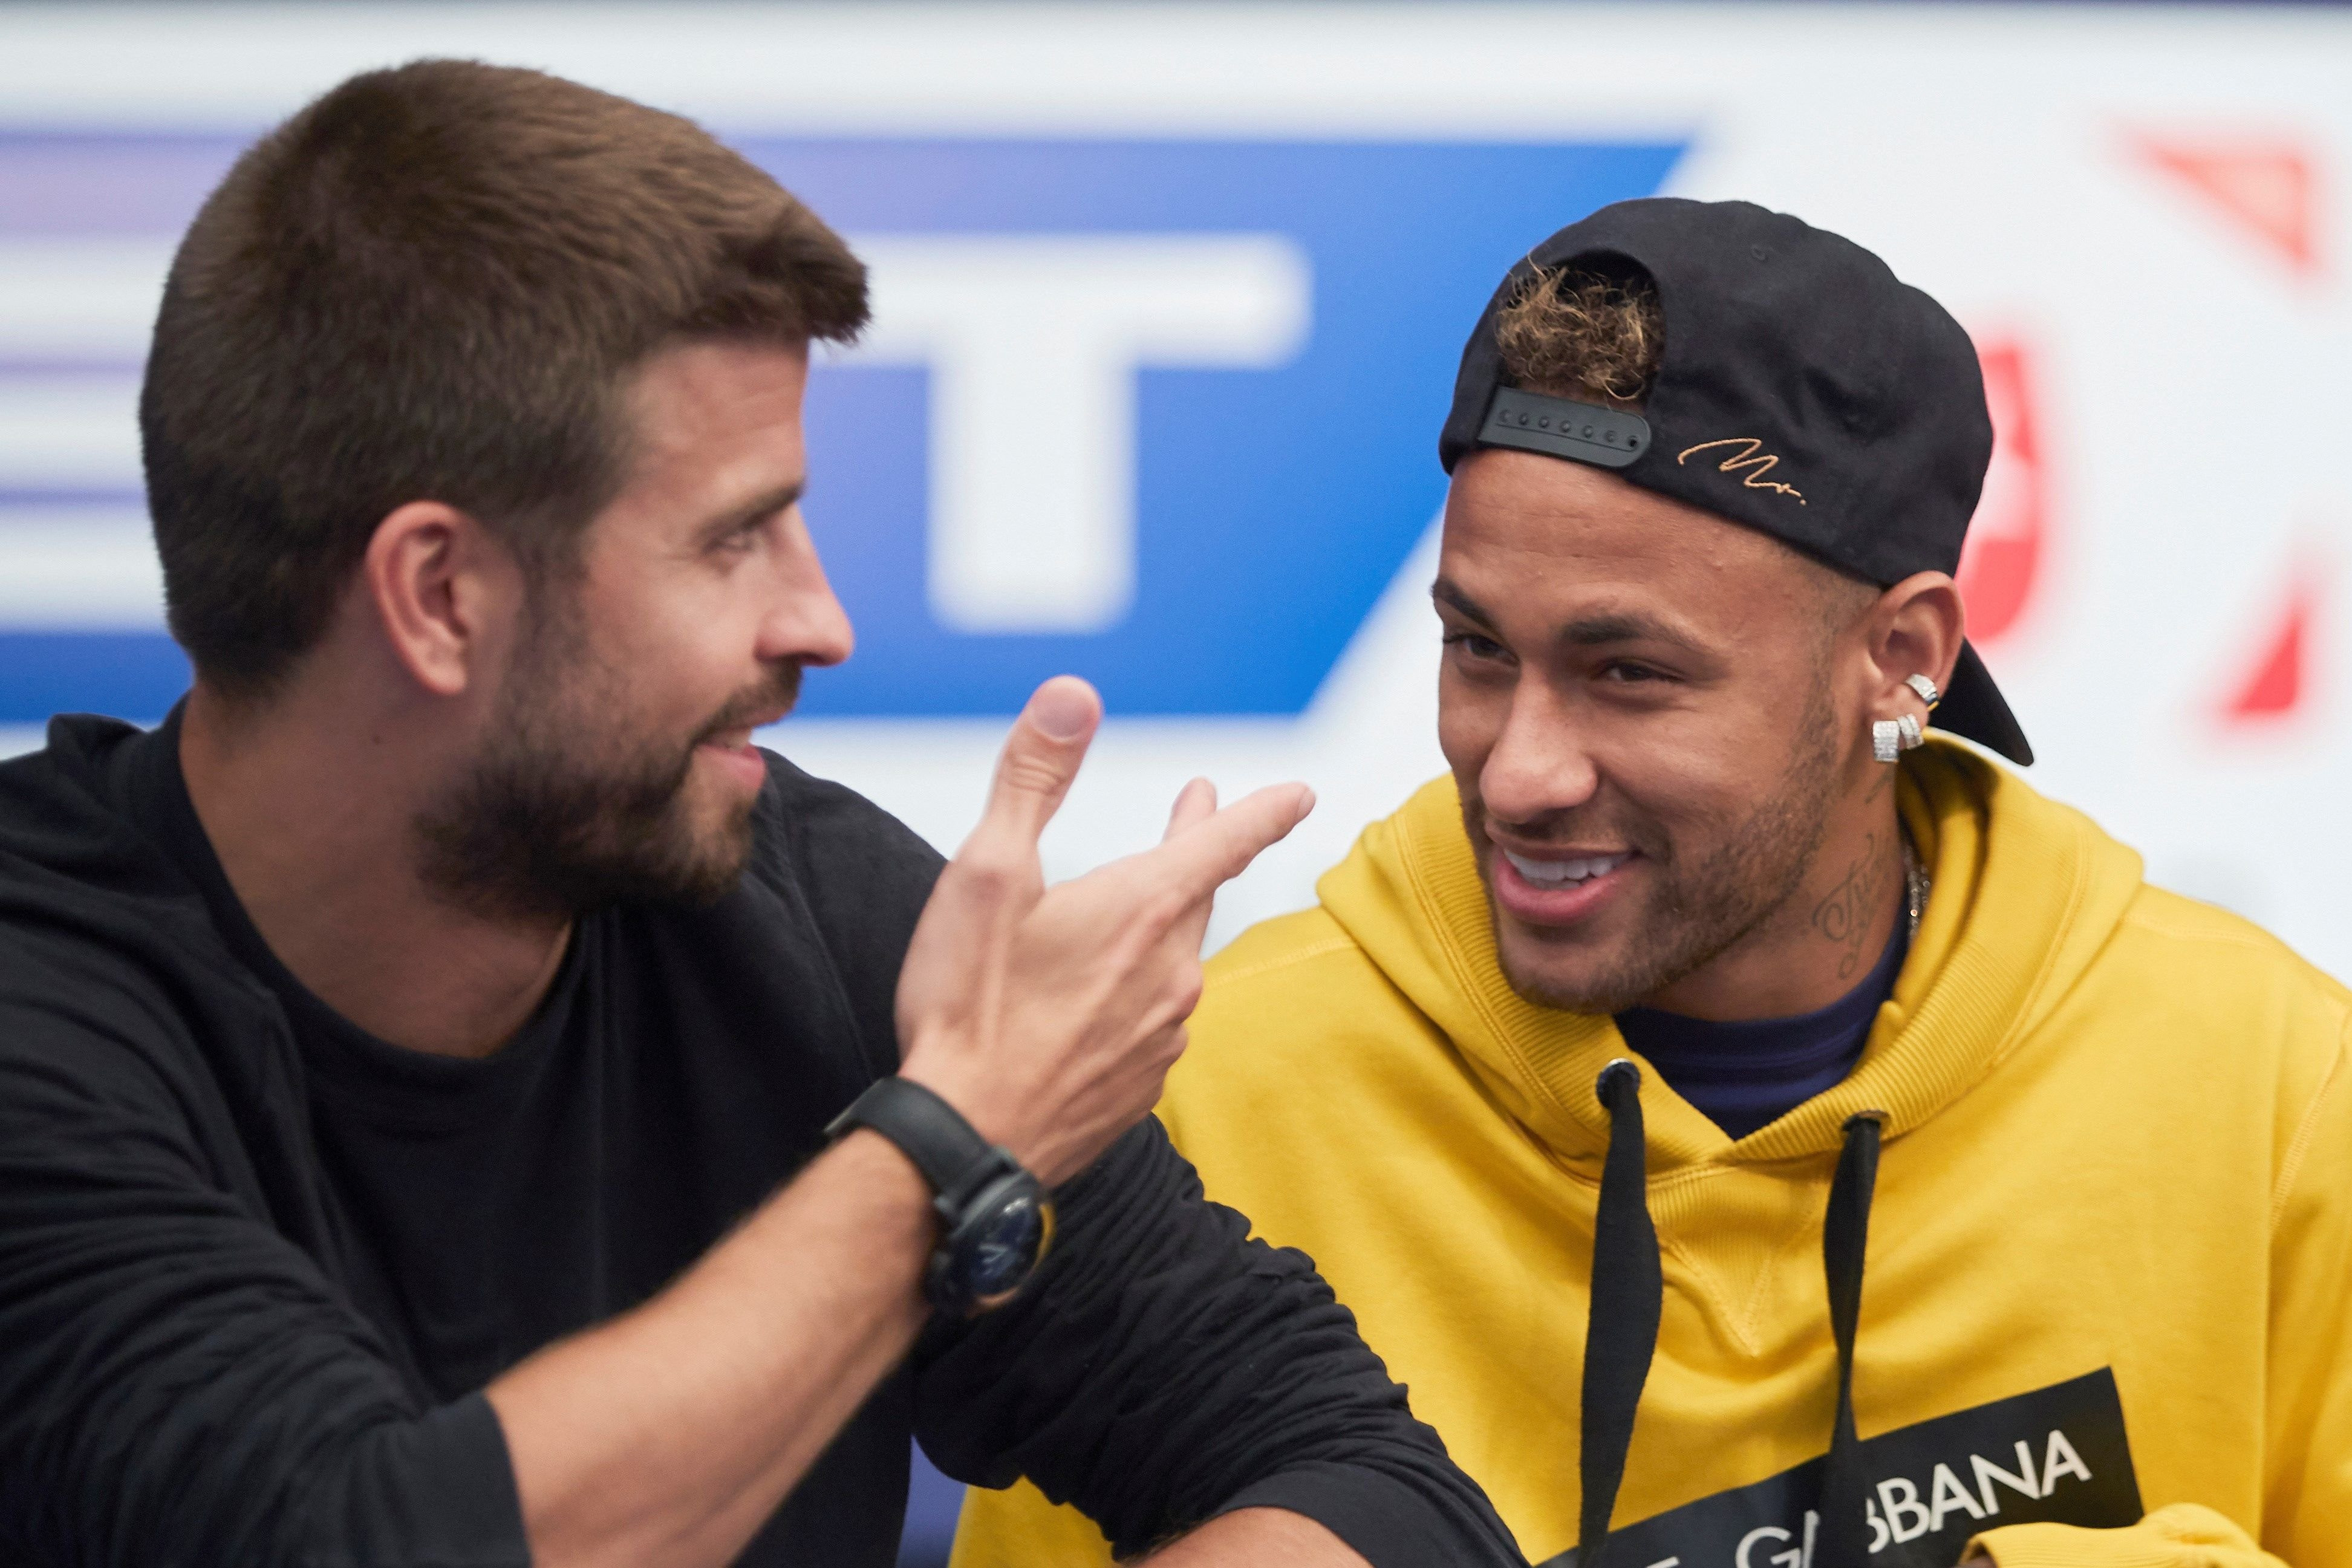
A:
<point x="1760" y="1133"/>
<point x="460" y="1101"/>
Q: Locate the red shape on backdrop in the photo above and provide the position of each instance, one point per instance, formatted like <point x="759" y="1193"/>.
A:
<point x="2274" y="688"/>
<point x="2001" y="561"/>
<point x="2267" y="188"/>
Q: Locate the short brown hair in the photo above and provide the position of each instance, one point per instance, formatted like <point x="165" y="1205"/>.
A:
<point x="1585" y="334"/>
<point x="432" y="284"/>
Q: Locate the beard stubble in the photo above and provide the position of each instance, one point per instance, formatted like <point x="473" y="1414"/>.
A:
<point x="1701" y="912"/>
<point x="569" y="809"/>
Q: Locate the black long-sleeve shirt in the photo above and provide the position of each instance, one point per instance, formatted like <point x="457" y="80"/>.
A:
<point x="256" y="1266"/>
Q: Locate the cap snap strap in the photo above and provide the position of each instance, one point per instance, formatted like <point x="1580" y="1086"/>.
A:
<point x="1558" y="427"/>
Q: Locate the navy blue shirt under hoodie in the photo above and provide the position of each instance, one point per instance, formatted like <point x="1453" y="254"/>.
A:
<point x="1749" y="1073"/>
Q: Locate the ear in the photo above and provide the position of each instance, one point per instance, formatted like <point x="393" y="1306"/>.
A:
<point x="445" y="594"/>
<point x="1915" y="628"/>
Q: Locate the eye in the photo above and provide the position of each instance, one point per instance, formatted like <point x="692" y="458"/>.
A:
<point x="737" y="542"/>
<point x="1475" y="646"/>
<point x="1625" y="673"/>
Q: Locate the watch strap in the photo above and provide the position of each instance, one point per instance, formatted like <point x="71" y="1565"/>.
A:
<point x="946" y="1148"/>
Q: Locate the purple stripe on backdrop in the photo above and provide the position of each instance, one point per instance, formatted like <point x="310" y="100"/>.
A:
<point x="13" y="368"/>
<point x="109" y="500"/>
<point x="84" y="184"/>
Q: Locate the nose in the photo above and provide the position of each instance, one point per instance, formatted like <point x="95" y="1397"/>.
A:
<point x="1538" y="764"/>
<point x="805" y="622"/>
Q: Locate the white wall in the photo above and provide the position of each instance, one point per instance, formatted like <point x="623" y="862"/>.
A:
<point x="2142" y="214"/>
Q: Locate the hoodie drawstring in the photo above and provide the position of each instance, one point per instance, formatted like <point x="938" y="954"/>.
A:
<point x="1845" y="1238"/>
<point x="1628" y="1292"/>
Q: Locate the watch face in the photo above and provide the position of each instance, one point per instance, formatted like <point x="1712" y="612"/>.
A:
<point x="999" y="1248"/>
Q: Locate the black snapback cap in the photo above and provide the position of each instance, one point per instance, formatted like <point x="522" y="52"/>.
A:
<point x="1805" y="390"/>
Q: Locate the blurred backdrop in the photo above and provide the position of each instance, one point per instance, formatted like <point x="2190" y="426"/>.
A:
<point x="1168" y="302"/>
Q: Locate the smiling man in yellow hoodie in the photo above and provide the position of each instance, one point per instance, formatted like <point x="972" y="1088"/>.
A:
<point x="1762" y="1136"/>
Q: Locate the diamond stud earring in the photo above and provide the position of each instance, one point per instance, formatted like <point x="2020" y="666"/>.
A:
<point x="1885" y="740"/>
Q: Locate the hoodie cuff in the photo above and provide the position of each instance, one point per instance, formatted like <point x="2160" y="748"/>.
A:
<point x="1380" y="1516"/>
<point x="2184" y="1535"/>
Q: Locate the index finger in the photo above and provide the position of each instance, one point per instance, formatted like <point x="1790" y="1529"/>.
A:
<point x="1203" y="857"/>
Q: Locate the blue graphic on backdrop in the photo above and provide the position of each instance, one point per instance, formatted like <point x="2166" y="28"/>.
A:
<point x="1161" y="413"/>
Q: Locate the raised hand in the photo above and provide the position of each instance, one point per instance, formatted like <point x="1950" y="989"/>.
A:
<point x="1050" y="1018"/>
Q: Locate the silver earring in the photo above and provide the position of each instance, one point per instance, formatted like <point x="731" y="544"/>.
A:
<point x="1908" y="726"/>
<point x="1927" y="690"/>
<point x="1885" y="740"/>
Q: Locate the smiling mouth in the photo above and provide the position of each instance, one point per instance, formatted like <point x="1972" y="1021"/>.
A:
<point x="738" y="737"/>
<point x="1561" y="873"/>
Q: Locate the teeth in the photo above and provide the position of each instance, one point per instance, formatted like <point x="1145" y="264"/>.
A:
<point x="1563" y="874"/>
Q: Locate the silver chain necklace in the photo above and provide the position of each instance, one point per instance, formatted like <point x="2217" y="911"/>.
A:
<point x="1916" y="885"/>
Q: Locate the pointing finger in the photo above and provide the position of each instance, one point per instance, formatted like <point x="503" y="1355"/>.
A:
<point x="1200" y="859"/>
<point x="1196" y="803"/>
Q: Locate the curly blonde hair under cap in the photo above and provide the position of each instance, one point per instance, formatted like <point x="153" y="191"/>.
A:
<point x="1579" y="334"/>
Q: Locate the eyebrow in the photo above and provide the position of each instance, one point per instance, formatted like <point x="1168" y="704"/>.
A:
<point x="1447" y="594"/>
<point x="766" y="504"/>
<point x="1595" y="631"/>
<point x="1625" y="626"/>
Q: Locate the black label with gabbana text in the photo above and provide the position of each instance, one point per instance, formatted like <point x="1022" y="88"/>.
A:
<point x="2057" y="1454"/>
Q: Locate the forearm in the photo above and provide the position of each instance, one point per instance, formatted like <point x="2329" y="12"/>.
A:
<point x="1259" y="1538"/>
<point x="1170" y="1373"/>
<point x="667" y="1436"/>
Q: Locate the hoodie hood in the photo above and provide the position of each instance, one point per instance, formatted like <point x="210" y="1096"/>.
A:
<point x="2016" y="917"/>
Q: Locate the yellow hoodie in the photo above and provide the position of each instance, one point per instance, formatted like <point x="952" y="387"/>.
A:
<point x="2117" y="1171"/>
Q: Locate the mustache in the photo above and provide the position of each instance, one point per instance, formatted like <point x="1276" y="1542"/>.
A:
<point x="778" y="689"/>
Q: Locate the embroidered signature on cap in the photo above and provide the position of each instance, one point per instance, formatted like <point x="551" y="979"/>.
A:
<point x="1751" y="455"/>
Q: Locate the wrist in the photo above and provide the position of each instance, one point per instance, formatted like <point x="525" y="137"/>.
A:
<point x="965" y="1088"/>
<point x="995" y="1219"/>
<point x="885" y="1168"/>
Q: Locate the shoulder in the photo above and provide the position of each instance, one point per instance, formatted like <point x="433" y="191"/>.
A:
<point x="2161" y="917"/>
<point x="1288" y="986"/>
<point x="2232" y="1006"/>
<point x="1273" y="949"/>
<point x="101" y="938"/>
<point x="2190" y="951"/>
<point x="62" y="811"/>
<point x="846" y="856"/>
<point x="817" y="815"/>
<point x="1295" y="1001"/>
<point x="115" y="1044"/>
<point x="828" y="863"/>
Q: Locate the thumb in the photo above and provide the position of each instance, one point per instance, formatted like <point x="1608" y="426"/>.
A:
<point x="1039" y="761"/>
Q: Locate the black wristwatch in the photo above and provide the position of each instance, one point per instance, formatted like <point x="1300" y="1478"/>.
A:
<point x="996" y="1220"/>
